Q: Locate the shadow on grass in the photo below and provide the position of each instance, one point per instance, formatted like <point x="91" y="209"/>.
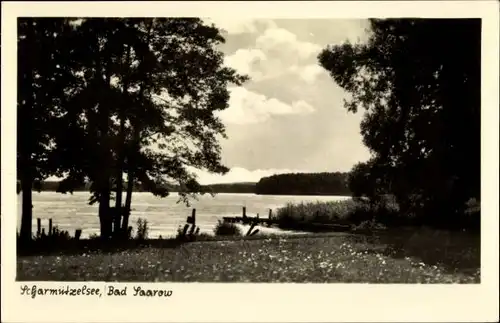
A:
<point x="76" y="247"/>
<point x="453" y="251"/>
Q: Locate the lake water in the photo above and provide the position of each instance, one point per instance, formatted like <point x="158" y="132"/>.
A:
<point x="164" y="215"/>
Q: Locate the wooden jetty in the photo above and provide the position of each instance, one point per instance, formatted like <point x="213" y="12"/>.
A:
<point x="269" y="221"/>
<point x="244" y="219"/>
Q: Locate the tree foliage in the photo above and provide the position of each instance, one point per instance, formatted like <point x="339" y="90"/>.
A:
<point x="418" y="81"/>
<point x="139" y="100"/>
<point x="42" y="83"/>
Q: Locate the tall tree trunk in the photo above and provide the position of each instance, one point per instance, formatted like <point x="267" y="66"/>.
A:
<point x="119" y="182"/>
<point x="131" y="179"/>
<point x="135" y="148"/>
<point x="121" y="158"/>
<point x="128" y="200"/>
<point x="105" y="154"/>
<point x="104" y="216"/>
<point x="25" y="143"/>
<point x="27" y="203"/>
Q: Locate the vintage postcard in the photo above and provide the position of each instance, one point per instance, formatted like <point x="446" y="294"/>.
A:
<point x="250" y="161"/>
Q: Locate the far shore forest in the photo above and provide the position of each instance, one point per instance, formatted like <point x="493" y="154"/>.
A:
<point x="103" y="102"/>
<point x="282" y="184"/>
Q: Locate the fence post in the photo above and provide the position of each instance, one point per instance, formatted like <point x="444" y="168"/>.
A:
<point x="78" y="233"/>
<point x="193" y="225"/>
<point x="270" y="213"/>
<point x="38" y="226"/>
<point x="191" y="219"/>
<point x="254" y="223"/>
<point x="244" y="212"/>
<point x="50" y="227"/>
<point x="254" y="232"/>
<point x="185" y="230"/>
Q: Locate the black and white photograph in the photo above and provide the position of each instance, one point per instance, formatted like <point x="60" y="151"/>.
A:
<point x="211" y="149"/>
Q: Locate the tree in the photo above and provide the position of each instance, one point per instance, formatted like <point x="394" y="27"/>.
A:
<point x="360" y="180"/>
<point x="148" y="89"/>
<point x="419" y="83"/>
<point x="87" y="154"/>
<point x="181" y="83"/>
<point x="304" y="184"/>
<point x="42" y="84"/>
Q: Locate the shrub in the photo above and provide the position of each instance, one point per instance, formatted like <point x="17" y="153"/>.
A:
<point x="59" y="235"/>
<point x="142" y="229"/>
<point x="224" y="228"/>
<point x="315" y="212"/>
<point x="194" y="237"/>
<point x="369" y="225"/>
<point x="181" y="232"/>
<point x="353" y="212"/>
<point x="56" y="236"/>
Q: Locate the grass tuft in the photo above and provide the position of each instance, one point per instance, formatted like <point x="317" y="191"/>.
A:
<point x="223" y="228"/>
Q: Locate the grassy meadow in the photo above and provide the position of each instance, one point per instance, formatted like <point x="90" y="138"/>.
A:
<point x="407" y="257"/>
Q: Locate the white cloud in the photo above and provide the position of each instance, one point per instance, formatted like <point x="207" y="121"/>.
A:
<point x="246" y="107"/>
<point x="308" y="73"/>
<point x="244" y="59"/>
<point x="286" y="42"/>
<point x="277" y="52"/>
<point x="237" y="25"/>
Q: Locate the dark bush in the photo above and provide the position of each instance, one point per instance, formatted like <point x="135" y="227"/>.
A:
<point x="224" y="228"/>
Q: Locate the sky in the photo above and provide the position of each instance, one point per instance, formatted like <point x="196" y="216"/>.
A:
<point x="289" y="117"/>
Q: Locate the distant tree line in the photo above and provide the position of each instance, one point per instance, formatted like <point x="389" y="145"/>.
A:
<point x="244" y="187"/>
<point x="335" y="183"/>
<point x="284" y="184"/>
<point x="304" y="184"/>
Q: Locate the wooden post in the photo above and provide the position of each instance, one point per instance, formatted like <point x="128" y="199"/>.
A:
<point x="50" y="227"/>
<point x="192" y="219"/>
<point x="254" y="223"/>
<point x="184" y="231"/>
<point x="254" y="233"/>
<point x="244" y="212"/>
<point x="193" y="227"/>
<point x="270" y="213"/>
<point x="38" y="226"/>
<point x="78" y="233"/>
